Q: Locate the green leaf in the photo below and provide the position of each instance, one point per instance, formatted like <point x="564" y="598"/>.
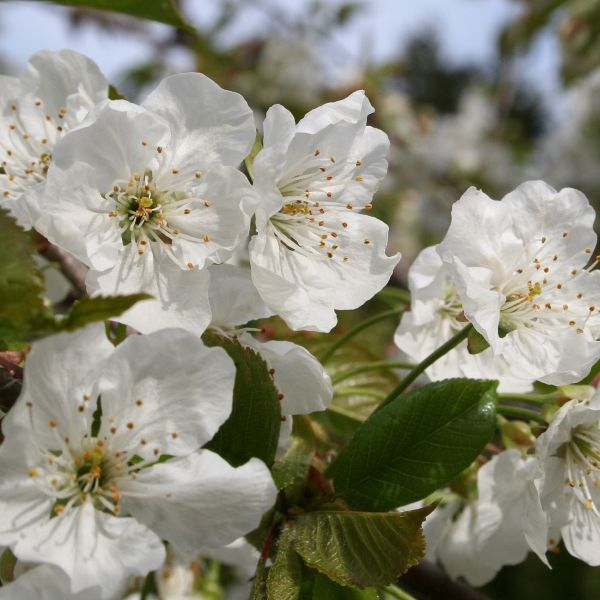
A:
<point x="416" y="444"/>
<point x="8" y="562"/>
<point x="255" y="421"/>
<point x="285" y="576"/>
<point x="22" y="307"/>
<point x="163" y="11"/>
<point x="476" y="343"/>
<point x="114" y="94"/>
<point x="293" y="466"/>
<point x="361" y="549"/>
<point x="319" y="587"/>
<point x="89" y="310"/>
<point x="259" y="587"/>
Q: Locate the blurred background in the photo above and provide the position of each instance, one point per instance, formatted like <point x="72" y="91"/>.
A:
<point x="471" y="92"/>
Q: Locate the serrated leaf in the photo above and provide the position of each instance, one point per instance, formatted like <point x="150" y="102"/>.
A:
<point x="259" y="586"/>
<point x="476" y="343"/>
<point x="361" y="549"/>
<point x="22" y="307"/>
<point x="293" y="466"/>
<point x="285" y="576"/>
<point x="253" y="426"/>
<point x="89" y="310"/>
<point x="321" y="587"/>
<point x="163" y="11"/>
<point x="416" y="444"/>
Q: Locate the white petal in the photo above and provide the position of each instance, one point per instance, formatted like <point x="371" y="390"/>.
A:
<point x="185" y="389"/>
<point x="117" y="140"/>
<point x="200" y="500"/>
<point x="45" y="582"/>
<point x="299" y="376"/>
<point x="355" y="108"/>
<point x="233" y="298"/>
<point x="59" y="372"/>
<point x="582" y="534"/>
<point x="180" y="297"/>
<point x="209" y="124"/>
<point x="305" y="290"/>
<point x="65" y="78"/>
<point x="93" y="548"/>
<point x="72" y="214"/>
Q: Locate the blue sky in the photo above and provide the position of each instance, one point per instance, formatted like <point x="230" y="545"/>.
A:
<point x="467" y="29"/>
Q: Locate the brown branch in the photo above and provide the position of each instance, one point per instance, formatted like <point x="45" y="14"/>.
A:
<point x="72" y="269"/>
<point x="428" y="582"/>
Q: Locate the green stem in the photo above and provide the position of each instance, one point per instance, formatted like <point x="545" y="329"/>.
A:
<point x="396" y="592"/>
<point x="524" y="413"/>
<point x="531" y="398"/>
<point x="398" y="293"/>
<point x="357" y="329"/>
<point x="360" y="392"/>
<point x="374" y="366"/>
<point x="435" y="355"/>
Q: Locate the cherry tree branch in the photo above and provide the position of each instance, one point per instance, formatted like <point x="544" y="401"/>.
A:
<point x="72" y="269"/>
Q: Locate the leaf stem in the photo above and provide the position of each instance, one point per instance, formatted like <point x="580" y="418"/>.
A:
<point x="357" y="329"/>
<point x="525" y="413"/>
<point x="531" y="398"/>
<point x="396" y="592"/>
<point x="374" y="366"/>
<point x="360" y="392"/>
<point x="433" y="357"/>
<point x="396" y="292"/>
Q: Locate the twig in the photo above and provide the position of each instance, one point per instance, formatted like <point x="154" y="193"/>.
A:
<point x="428" y="582"/>
<point x="73" y="270"/>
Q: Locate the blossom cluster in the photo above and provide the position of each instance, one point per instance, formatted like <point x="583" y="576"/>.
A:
<point x="103" y="457"/>
<point x="104" y="470"/>
<point x="522" y="271"/>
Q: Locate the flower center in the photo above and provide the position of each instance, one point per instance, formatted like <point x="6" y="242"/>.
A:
<point x="26" y="142"/>
<point x="545" y="292"/>
<point x="582" y="457"/>
<point x="312" y="222"/>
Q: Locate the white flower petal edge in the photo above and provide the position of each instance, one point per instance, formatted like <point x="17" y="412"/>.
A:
<point x="474" y="539"/>
<point x="568" y="453"/>
<point x="435" y="316"/>
<point x="299" y="376"/>
<point x="68" y="483"/>
<point x="202" y="489"/>
<point x="147" y="199"/>
<point x="312" y="253"/>
<point x="522" y="266"/>
<point x="45" y="582"/>
<point x="55" y="94"/>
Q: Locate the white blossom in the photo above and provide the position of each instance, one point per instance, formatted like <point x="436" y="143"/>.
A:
<point x="569" y="451"/>
<point x="522" y="267"/>
<point x="314" y="250"/>
<point x="436" y="315"/>
<point x="304" y="385"/>
<point x="101" y="460"/>
<point x="45" y="582"/>
<point x="147" y="196"/>
<point x="54" y="94"/>
<point x="475" y="538"/>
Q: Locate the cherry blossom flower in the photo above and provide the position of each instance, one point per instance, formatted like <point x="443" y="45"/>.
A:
<point x="304" y="385"/>
<point x="475" y="538"/>
<point x="54" y="94"/>
<point x="569" y="452"/>
<point x="522" y="267"/>
<point x="436" y="315"/>
<point x="101" y="460"/>
<point x="147" y="196"/>
<point x="314" y="251"/>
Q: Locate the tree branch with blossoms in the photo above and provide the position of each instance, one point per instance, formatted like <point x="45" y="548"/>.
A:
<point x="199" y="404"/>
